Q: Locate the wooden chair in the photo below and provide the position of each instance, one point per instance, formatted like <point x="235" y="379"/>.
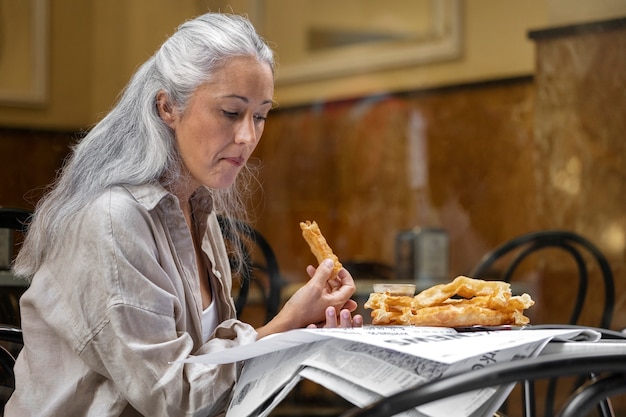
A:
<point x="513" y="252"/>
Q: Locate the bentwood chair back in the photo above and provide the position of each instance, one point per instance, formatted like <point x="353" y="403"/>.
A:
<point x="579" y="247"/>
<point x="260" y="267"/>
<point x="587" y="258"/>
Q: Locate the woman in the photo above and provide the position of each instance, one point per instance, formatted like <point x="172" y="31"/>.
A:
<point x="128" y="266"/>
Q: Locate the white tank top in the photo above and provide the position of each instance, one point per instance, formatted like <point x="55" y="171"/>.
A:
<point x="210" y="320"/>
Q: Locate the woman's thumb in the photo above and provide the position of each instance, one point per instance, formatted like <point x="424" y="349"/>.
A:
<point x="324" y="270"/>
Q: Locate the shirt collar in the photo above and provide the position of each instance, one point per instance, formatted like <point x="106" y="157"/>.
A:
<point x="152" y="194"/>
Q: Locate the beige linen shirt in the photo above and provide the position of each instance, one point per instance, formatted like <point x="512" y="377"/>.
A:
<point x="116" y="303"/>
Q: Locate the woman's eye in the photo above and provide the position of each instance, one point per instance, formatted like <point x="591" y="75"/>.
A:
<point x="230" y="114"/>
<point x="260" y="117"/>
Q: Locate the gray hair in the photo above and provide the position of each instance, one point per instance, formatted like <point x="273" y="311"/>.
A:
<point x="131" y="144"/>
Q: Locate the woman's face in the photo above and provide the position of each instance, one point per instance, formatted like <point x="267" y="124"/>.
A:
<point x="223" y="122"/>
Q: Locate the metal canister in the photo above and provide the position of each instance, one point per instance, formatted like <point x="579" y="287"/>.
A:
<point x="422" y="255"/>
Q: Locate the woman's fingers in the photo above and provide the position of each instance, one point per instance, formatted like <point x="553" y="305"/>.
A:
<point x="346" y="320"/>
<point x="331" y="317"/>
<point x="310" y="270"/>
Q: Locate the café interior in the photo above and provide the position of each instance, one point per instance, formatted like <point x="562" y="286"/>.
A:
<point x="419" y="134"/>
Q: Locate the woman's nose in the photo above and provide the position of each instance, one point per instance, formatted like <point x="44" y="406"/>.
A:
<point x="246" y="131"/>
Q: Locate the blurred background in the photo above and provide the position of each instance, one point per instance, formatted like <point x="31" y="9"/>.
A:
<point x="479" y="119"/>
<point x="458" y="124"/>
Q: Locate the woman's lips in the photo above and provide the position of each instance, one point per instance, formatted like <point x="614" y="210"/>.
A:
<point x="236" y="160"/>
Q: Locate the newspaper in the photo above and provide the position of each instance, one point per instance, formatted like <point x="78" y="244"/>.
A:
<point x="365" y="364"/>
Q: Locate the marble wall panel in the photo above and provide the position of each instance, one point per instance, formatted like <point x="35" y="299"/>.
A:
<point x="579" y="134"/>
<point x="369" y="168"/>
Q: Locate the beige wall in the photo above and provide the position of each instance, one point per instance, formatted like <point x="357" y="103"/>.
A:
<point x="68" y="76"/>
<point x="94" y="46"/>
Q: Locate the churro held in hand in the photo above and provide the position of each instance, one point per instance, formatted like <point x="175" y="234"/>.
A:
<point x="318" y="245"/>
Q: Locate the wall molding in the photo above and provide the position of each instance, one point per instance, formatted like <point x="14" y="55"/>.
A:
<point x="34" y="63"/>
<point x="442" y="42"/>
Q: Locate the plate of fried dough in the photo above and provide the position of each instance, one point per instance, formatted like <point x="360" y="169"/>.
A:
<point x="463" y="303"/>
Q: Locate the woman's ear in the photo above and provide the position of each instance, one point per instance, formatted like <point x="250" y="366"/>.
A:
<point x="165" y="108"/>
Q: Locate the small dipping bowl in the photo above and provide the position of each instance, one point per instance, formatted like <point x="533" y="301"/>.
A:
<point x="395" y="289"/>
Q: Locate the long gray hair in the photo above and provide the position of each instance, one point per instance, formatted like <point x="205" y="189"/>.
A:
<point x="132" y="145"/>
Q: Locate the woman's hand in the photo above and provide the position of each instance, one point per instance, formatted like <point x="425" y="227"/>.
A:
<point x="316" y="303"/>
